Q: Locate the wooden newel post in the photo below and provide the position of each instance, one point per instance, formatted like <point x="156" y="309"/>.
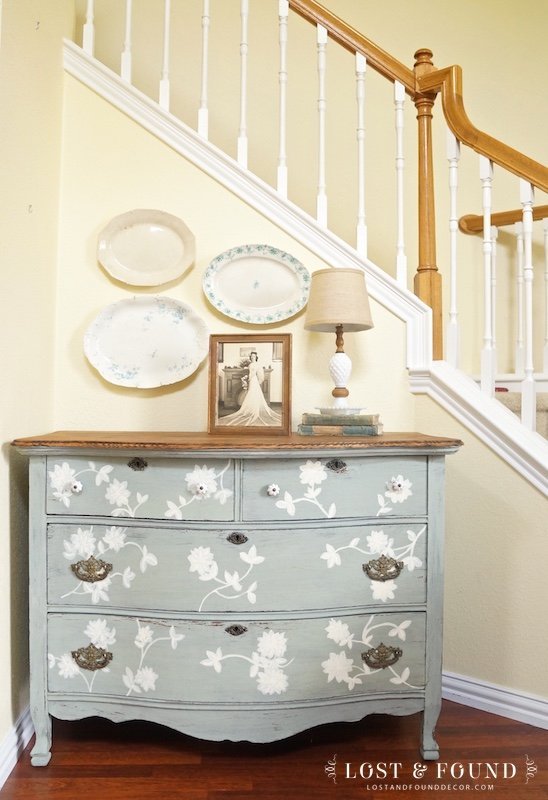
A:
<point x="427" y="280"/>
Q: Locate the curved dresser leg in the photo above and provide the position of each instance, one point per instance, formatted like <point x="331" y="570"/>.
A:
<point x="41" y="752"/>
<point x="429" y="747"/>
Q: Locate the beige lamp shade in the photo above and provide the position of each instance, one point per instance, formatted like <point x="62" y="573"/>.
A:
<point x="338" y="297"/>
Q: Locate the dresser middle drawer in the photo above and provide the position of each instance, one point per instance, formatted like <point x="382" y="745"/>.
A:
<point x="238" y="569"/>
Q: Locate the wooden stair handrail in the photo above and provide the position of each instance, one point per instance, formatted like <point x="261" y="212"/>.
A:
<point x="449" y="82"/>
<point x="473" y="223"/>
<point x="347" y="36"/>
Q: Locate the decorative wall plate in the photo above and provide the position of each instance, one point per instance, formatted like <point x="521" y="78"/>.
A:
<point x="257" y="283"/>
<point x="145" y="247"/>
<point x="146" y="342"/>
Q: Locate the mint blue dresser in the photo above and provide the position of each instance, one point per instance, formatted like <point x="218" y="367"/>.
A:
<point x="241" y="588"/>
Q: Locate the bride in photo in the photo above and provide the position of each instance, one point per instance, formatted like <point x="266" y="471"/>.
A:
<point x="254" y="409"/>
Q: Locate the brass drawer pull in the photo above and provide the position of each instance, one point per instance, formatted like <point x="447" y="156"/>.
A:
<point x="382" y="656"/>
<point x="91" y="570"/>
<point x="137" y="464"/>
<point x="236" y="630"/>
<point x="237" y="538"/>
<point x="383" y="568"/>
<point x="92" y="657"/>
<point x="337" y="465"/>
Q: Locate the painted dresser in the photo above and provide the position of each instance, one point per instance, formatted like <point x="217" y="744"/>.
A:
<point x="238" y="588"/>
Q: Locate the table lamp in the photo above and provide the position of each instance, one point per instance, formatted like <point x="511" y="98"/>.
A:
<point x="338" y="303"/>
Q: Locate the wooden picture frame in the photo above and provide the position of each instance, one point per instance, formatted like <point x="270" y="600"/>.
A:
<point x="250" y="383"/>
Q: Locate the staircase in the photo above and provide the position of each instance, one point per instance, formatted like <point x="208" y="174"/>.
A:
<point x="442" y="371"/>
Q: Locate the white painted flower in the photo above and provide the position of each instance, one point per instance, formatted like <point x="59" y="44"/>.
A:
<point x="338" y="667"/>
<point x="272" y="681"/>
<point x="312" y="473"/>
<point x="340" y="633"/>
<point x="81" y="544"/>
<point x="147" y="559"/>
<point x="67" y="666"/>
<point x="98" y="590"/>
<point x="213" y="659"/>
<point x="99" y="633"/>
<point x="398" y="489"/>
<point x="398" y="679"/>
<point x="201" y="482"/>
<point x="331" y="556"/>
<point x="383" y="590"/>
<point x="144" y="636"/>
<point x="127" y="577"/>
<point x="257" y="663"/>
<point x="175" y="637"/>
<point x="222" y="495"/>
<point x="103" y="475"/>
<point x="412" y="562"/>
<point x="233" y="580"/>
<point x="203" y="562"/>
<point x="115" y="538"/>
<point x="287" y="503"/>
<point x="272" y="644"/>
<point x="377" y="541"/>
<point x="62" y="477"/>
<point x="399" y="630"/>
<point x="117" y="493"/>
<point x="251" y="556"/>
<point x="353" y="681"/>
<point x="146" y="678"/>
<point x="173" y="511"/>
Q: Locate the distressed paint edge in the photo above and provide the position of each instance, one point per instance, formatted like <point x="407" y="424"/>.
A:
<point x="14" y="743"/>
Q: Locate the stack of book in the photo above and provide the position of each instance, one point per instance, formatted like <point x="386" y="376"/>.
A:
<point x="338" y="424"/>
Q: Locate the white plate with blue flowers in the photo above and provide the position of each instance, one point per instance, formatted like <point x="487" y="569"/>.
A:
<point x="146" y="342"/>
<point x="257" y="283"/>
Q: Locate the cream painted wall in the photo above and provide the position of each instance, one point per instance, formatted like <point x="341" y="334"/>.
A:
<point x="30" y="140"/>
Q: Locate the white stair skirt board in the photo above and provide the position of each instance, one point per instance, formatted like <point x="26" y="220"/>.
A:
<point x="525" y="452"/>
<point x="14" y="743"/>
<point x="495" y="699"/>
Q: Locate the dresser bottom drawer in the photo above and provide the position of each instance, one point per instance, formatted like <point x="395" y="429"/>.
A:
<point x="226" y="661"/>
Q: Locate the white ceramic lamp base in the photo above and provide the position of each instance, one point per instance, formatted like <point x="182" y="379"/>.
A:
<point x="340" y="369"/>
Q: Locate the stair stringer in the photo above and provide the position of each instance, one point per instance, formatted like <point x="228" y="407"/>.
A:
<point x="487" y="418"/>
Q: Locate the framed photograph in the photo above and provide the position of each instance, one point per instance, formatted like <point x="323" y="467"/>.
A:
<point x="250" y="383"/>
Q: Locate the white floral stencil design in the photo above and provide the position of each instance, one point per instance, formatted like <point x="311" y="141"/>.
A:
<point x="202" y="561"/>
<point x="267" y="662"/>
<point x="342" y="669"/>
<point x="398" y="489"/>
<point x="142" y="680"/>
<point x="202" y="484"/>
<point x="83" y="545"/>
<point x="63" y="481"/>
<point x="378" y="544"/>
<point x="313" y="473"/>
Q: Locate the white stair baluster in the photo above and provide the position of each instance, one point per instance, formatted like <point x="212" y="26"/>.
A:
<point x="453" y="156"/>
<point x="203" y="111"/>
<point x="321" y="201"/>
<point x="244" y="47"/>
<point x="494" y="237"/>
<point x="361" y="226"/>
<point x="88" y="34"/>
<point x="519" y="357"/>
<point x="164" y="80"/>
<point x="528" y="389"/>
<point x="401" y="258"/>
<point x="125" y="65"/>
<point x="545" y="351"/>
<point x="487" y="363"/>
<point x="283" y="11"/>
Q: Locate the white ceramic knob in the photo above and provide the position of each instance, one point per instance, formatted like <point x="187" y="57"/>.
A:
<point x="273" y="490"/>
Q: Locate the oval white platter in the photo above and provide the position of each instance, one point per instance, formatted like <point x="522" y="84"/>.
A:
<point x="257" y="283"/>
<point x="146" y="247"/>
<point x="146" y="342"/>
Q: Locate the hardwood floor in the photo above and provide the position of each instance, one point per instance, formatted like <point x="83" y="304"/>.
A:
<point x="99" y="760"/>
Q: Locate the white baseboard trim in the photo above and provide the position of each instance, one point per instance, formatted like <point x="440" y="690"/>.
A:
<point x="14" y="743"/>
<point x="495" y="699"/>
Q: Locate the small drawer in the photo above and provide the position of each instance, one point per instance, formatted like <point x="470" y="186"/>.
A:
<point x="141" y="487"/>
<point x="236" y="662"/>
<point x="334" y="488"/>
<point x="238" y="569"/>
